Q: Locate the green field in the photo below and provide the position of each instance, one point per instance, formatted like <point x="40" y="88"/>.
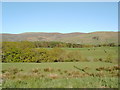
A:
<point x="62" y="65"/>
<point x="97" y="52"/>
<point x="94" y="73"/>
<point x="60" y="75"/>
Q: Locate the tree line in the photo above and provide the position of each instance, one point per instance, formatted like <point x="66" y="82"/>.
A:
<point x="53" y="44"/>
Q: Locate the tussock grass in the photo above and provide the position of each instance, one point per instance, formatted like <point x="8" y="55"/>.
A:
<point x="60" y="75"/>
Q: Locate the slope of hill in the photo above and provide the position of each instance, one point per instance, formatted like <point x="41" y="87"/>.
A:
<point x="81" y="38"/>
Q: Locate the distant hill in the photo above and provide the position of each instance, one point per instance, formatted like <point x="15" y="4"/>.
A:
<point x="76" y="37"/>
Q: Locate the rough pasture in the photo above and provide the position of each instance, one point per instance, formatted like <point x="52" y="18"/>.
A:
<point x="60" y="75"/>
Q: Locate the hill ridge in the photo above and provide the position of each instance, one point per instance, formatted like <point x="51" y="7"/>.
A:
<point x="74" y="37"/>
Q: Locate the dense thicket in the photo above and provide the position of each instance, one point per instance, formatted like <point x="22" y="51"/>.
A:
<point x="30" y="52"/>
<point x="26" y="51"/>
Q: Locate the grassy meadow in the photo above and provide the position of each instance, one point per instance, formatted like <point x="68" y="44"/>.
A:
<point x="60" y="75"/>
<point x="98" y="52"/>
<point x="94" y="73"/>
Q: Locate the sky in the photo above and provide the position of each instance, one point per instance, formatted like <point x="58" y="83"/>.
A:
<point x="62" y="17"/>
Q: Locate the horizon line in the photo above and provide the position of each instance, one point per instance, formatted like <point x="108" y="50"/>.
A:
<point x="58" y="32"/>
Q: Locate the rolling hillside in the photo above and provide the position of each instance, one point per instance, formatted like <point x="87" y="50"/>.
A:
<point x="77" y="37"/>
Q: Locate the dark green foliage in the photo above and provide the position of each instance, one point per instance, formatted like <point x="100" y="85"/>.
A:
<point x="17" y="51"/>
<point x="27" y="52"/>
<point x="56" y="44"/>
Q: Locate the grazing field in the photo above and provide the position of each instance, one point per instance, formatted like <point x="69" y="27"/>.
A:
<point x="60" y="75"/>
<point x="98" y="52"/>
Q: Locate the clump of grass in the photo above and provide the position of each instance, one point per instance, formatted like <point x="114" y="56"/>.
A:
<point x="118" y="74"/>
<point x="100" y="74"/>
<point x="3" y="71"/>
<point x="42" y="75"/>
<point x="116" y="67"/>
<point x="12" y="71"/>
<point x="65" y="71"/>
<point x="100" y="59"/>
<point x="108" y="69"/>
<point x="76" y="74"/>
<point x="6" y="75"/>
<point x="61" y="73"/>
<point x="69" y="73"/>
<point x="15" y="70"/>
<point x="49" y="69"/>
<point x="112" y="71"/>
<point x="24" y="75"/>
<point x="100" y="68"/>
<point x="91" y="74"/>
<point x="59" y="70"/>
<point x="95" y="60"/>
<point x="53" y="76"/>
<point x="36" y="70"/>
<point x="109" y="58"/>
